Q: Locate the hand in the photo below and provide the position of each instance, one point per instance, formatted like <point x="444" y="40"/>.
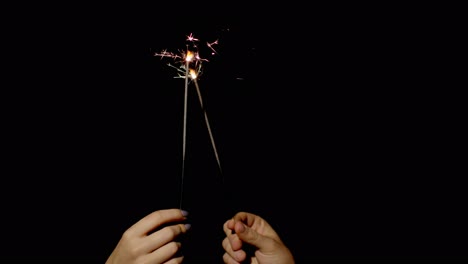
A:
<point x="246" y="228"/>
<point x="139" y="244"/>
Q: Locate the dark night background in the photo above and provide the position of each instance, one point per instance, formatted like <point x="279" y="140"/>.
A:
<point x="328" y="126"/>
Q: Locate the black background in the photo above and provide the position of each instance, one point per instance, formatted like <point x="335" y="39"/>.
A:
<point x="329" y="126"/>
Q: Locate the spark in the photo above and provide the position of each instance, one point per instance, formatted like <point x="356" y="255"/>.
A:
<point x="210" y="45"/>
<point x="191" y="38"/>
<point x="165" y="53"/>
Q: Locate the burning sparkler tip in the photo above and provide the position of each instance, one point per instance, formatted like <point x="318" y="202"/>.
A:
<point x="191" y="56"/>
<point x="193" y="74"/>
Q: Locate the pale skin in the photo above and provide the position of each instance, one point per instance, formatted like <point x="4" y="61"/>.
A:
<point x="246" y="228"/>
<point x="148" y="242"/>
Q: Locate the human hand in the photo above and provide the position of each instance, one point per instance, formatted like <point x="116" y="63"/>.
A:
<point x="246" y="228"/>
<point x="148" y="242"/>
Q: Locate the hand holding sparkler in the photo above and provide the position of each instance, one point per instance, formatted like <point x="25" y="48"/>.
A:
<point x="142" y="244"/>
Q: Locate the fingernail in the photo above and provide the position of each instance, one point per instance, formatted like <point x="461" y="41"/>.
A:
<point x="184" y="213"/>
<point x="187" y="226"/>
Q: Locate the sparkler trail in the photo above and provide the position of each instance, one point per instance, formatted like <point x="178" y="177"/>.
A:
<point x="184" y="71"/>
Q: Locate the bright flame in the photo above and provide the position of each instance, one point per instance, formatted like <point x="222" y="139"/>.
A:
<point x="193" y="74"/>
<point x="189" y="56"/>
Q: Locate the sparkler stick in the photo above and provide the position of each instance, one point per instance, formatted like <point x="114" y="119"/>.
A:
<point x="188" y="59"/>
<point x="194" y="78"/>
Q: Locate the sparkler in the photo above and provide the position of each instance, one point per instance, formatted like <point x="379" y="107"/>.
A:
<point x="191" y="57"/>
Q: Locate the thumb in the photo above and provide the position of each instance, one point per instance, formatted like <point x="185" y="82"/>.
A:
<point x="250" y="236"/>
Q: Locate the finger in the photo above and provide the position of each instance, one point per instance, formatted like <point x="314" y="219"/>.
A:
<point x="164" y="236"/>
<point x="234" y="241"/>
<point x="164" y="253"/>
<point x="229" y="260"/>
<point x="228" y="227"/>
<point x="247" y="218"/>
<point x="231" y="236"/>
<point x="230" y="224"/>
<point x="251" y="220"/>
<point x="177" y="260"/>
<point x="239" y="255"/>
<point x="250" y="236"/>
<point x="227" y="246"/>
<point x="154" y="220"/>
<point x="256" y="223"/>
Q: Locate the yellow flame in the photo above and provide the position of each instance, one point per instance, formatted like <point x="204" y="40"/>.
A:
<point x="193" y="74"/>
<point x="189" y="56"/>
